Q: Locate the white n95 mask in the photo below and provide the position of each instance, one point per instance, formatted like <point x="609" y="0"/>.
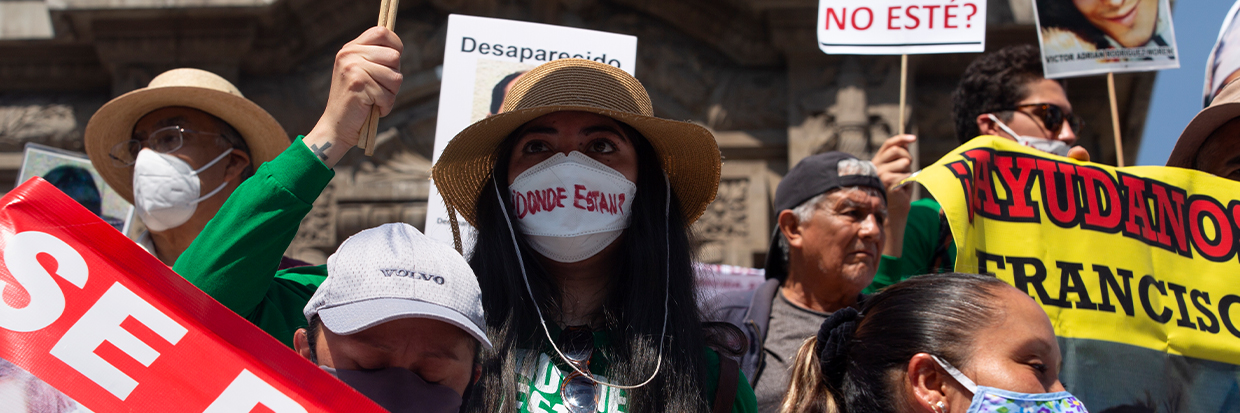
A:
<point x="166" y="189"/>
<point x="571" y="206"/>
<point x="1051" y="146"/>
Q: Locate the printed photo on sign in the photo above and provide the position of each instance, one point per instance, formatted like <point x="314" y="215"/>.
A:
<point x="1085" y="37"/>
<point x="492" y="82"/>
<point x="22" y="392"/>
<point x="892" y="27"/>
<point x="72" y="173"/>
<point x="482" y="58"/>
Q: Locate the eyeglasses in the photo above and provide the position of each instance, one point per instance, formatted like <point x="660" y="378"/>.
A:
<point x="1053" y="116"/>
<point x="162" y="140"/>
<point x="578" y="391"/>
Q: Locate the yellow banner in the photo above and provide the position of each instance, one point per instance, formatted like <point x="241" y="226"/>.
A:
<point x="1142" y="255"/>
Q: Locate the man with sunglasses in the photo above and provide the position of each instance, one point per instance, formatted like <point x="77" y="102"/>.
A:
<point x="1003" y="94"/>
<point x="177" y="149"/>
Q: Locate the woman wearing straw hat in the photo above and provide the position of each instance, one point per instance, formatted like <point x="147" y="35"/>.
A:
<point x="582" y="201"/>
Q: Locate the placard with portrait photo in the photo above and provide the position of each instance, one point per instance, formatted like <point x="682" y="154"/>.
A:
<point x="1086" y="37"/>
<point x="73" y="174"/>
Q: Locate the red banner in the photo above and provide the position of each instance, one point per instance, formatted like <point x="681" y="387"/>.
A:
<point x="89" y="312"/>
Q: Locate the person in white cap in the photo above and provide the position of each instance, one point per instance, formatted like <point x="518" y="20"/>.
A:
<point x="236" y="258"/>
<point x="399" y="318"/>
<point x="177" y="149"/>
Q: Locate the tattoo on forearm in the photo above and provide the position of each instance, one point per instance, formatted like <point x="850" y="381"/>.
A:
<point x="321" y="152"/>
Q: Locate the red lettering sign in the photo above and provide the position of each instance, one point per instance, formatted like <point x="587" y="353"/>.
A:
<point x="93" y="315"/>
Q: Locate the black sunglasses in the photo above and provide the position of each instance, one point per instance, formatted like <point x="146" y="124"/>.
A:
<point x="1053" y="116"/>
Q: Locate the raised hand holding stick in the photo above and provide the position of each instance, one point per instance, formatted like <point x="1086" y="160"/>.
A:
<point x="366" y="136"/>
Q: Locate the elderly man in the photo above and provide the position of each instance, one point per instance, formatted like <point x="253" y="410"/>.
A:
<point x="177" y="149"/>
<point x="832" y="207"/>
<point x="399" y="318"/>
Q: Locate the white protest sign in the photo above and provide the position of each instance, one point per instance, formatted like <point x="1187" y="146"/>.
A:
<point x="482" y="57"/>
<point x="1086" y="38"/>
<point x="892" y="27"/>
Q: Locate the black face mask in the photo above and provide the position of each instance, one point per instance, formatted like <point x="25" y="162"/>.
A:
<point x="400" y="390"/>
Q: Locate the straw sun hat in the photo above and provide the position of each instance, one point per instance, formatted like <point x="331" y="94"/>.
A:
<point x="1224" y="108"/>
<point x="687" y="152"/>
<point x="193" y="88"/>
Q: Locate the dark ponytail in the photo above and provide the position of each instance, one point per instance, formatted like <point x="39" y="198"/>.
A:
<point x="854" y="363"/>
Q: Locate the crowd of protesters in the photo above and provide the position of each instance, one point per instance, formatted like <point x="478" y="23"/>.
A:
<point x="596" y="309"/>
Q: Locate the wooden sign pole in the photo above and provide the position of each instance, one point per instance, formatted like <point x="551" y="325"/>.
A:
<point x="1119" y="143"/>
<point x="903" y="88"/>
<point x="366" y="137"/>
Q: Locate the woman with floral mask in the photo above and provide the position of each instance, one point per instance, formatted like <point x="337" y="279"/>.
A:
<point x="933" y="344"/>
<point x="582" y="201"/>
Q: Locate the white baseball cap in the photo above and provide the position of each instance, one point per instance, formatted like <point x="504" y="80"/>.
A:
<point x="393" y="271"/>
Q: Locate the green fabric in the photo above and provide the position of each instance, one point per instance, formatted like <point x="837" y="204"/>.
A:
<point x="235" y="261"/>
<point x="921" y="238"/>
<point x="541" y="389"/>
<point x="235" y="258"/>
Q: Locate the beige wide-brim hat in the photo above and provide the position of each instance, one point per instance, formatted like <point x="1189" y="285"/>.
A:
<point x="687" y="152"/>
<point x="1224" y="107"/>
<point x="192" y="88"/>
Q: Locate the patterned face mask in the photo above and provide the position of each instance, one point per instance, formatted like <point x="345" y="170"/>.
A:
<point x="992" y="400"/>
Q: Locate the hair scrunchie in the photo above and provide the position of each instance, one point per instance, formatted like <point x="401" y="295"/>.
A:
<point x="834" y="338"/>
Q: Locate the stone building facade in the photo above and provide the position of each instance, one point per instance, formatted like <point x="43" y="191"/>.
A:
<point x="749" y="70"/>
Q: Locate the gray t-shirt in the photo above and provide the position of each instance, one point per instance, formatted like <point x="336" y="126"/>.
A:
<point x="790" y="325"/>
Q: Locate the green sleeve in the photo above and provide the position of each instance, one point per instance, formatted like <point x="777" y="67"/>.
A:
<point x="921" y="237"/>
<point x="745" y="401"/>
<point x="235" y="257"/>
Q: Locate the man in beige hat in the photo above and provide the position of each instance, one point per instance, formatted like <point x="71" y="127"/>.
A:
<point x="1211" y="142"/>
<point x="177" y="149"/>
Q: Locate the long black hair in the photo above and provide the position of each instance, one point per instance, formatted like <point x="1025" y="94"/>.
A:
<point x="633" y="312"/>
<point x="938" y="314"/>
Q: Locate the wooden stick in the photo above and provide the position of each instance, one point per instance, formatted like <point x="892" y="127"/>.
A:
<point x="1119" y="143"/>
<point x="366" y="136"/>
<point x="903" y="88"/>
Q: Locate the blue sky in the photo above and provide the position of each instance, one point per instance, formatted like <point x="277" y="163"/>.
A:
<point x="1177" y="92"/>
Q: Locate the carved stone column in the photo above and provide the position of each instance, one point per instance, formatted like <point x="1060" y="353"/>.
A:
<point x="842" y="103"/>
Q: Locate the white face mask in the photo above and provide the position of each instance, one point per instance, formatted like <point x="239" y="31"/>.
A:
<point x="166" y="189"/>
<point x="570" y="207"/>
<point x="1051" y="146"/>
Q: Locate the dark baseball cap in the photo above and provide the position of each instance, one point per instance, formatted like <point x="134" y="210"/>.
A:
<point x="815" y="175"/>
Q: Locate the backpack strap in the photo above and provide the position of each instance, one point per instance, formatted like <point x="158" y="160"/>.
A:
<point x="725" y="390"/>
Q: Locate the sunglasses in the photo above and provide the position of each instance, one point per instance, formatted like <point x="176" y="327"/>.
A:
<point x="578" y="391"/>
<point x="1052" y="116"/>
